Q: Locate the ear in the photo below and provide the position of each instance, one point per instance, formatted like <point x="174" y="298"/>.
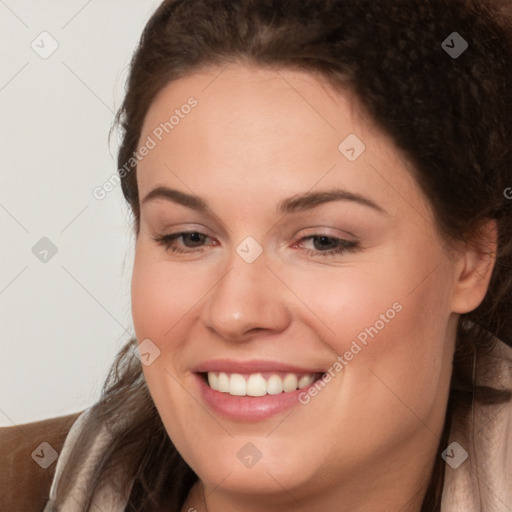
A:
<point x="474" y="264"/>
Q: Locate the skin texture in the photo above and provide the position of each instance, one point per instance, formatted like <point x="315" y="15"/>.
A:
<point x="367" y="441"/>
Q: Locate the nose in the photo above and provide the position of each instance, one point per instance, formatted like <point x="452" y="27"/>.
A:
<point x="247" y="299"/>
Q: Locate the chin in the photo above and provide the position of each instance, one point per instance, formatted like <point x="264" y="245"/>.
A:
<point x="269" y="475"/>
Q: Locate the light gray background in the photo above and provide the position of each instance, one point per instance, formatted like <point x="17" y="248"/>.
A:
<point x="62" y="321"/>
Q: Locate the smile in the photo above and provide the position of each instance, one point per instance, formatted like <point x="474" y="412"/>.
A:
<point x="252" y="390"/>
<point x="259" y="384"/>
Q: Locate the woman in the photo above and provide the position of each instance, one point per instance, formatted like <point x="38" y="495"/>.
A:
<point x="322" y="286"/>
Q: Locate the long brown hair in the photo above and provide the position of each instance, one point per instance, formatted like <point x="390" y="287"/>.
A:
<point x="450" y="116"/>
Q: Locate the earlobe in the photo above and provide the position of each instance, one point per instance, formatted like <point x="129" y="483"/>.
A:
<point x="473" y="269"/>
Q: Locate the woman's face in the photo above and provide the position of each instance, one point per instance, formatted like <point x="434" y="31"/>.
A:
<point x="259" y="289"/>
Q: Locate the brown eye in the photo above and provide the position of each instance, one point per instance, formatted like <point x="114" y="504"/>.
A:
<point x="328" y="245"/>
<point x="190" y="239"/>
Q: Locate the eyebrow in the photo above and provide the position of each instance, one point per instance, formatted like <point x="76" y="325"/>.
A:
<point x="296" y="203"/>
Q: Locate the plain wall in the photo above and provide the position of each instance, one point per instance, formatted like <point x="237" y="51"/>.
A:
<point x="62" y="320"/>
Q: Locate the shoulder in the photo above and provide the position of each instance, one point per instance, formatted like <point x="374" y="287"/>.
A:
<point x="27" y="468"/>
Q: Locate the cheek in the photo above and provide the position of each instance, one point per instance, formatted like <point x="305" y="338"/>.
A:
<point x="160" y="301"/>
<point x="404" y="362"/>
<point x="340" y="303"/>
<point x="388" y="318"/>
<point x="159" y="295"/>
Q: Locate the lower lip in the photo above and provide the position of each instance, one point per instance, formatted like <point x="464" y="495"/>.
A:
<point x="248" y="408"/>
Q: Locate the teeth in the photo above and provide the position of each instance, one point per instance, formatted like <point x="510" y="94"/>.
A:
<point x="290" y="382"/>
<point x="256" y="385"/>
<point x="274" y="385"/>
<point x="222" y="383"/>
<point x="237" y="385"/>
<point x="305" y="381"/>
<point x="213" y="380"/>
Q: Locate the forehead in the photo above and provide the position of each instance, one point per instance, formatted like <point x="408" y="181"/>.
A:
<point x="261" y="101"/>
<point x="265" y="132"/>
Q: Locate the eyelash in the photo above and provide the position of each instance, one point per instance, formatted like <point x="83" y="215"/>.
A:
<point x="343" y="246"/>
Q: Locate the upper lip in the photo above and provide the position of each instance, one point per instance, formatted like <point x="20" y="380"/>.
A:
<point x="250" y="366"/>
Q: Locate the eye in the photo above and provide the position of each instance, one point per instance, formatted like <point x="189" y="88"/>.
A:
<point x="332" y="245"/>
<point x="193" y="241"/>
<point x="169" y="241"/>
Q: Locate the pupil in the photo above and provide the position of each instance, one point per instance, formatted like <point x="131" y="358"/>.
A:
<point x="194" y="236"/>
<point x="324" y="238"/>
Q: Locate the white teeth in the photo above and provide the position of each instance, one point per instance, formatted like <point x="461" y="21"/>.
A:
<point x="274" y="385"/>
<point x="290" y="382"/>
<point x="256" y="385"/>
<point x="237" y="385"/>
<point x="305" y="381"/>
<point x="222" y="382"/>
<point x="213" y="380"/>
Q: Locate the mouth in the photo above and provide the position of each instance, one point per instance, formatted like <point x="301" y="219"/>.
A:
<point x="258" y="384"/>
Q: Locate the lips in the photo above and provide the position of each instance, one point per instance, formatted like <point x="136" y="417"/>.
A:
<point x="246" y="408"/>
<point x="255" y="378"/>
<point x="252" y="366"/>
